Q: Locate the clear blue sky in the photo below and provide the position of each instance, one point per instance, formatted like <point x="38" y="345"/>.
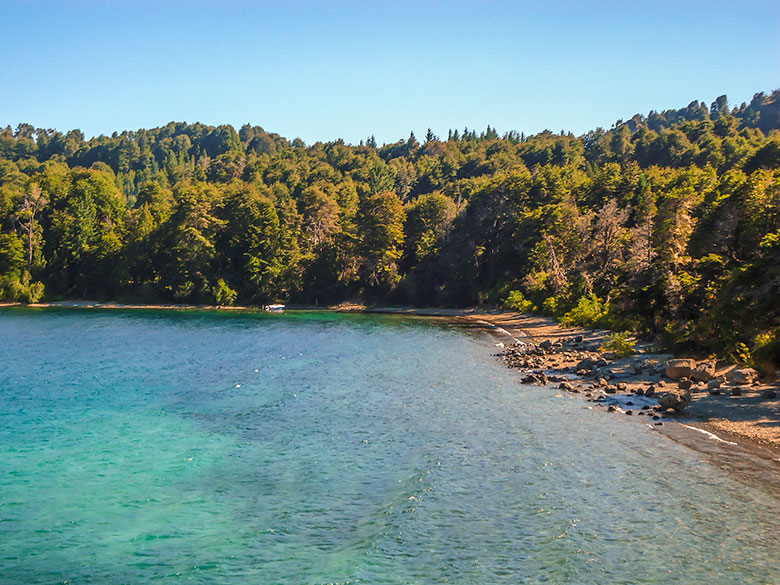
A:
<point x="348" y="69"/>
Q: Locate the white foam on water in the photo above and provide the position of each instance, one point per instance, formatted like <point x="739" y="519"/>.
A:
<point x="500" y="330"/>
<point x="709" y="434"/>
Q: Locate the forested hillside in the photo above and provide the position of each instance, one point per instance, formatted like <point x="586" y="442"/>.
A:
<point x="667" y="223"/>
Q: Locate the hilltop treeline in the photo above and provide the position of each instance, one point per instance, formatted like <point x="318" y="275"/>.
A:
<point x="667" y="223"/>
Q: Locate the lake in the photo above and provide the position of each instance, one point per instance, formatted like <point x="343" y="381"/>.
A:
<point x="315" y="447"/>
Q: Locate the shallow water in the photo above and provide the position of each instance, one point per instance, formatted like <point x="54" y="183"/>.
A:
<point x="144" y="446"/>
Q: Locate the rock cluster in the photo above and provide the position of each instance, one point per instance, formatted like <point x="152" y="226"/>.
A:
<point x="616" y="382"/>
<point x="530" y="355"/>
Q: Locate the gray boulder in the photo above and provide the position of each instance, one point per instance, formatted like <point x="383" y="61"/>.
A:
<point x="677" y="369"/>
<point x="704" y="372"/>
<point x="677" y="401"/>
<point x="586" y="364"/>
<point x="742" y="376"/>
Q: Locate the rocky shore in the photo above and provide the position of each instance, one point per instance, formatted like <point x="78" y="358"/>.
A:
<point x="714" y="396"/>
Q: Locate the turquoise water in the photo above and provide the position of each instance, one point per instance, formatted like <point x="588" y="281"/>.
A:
<point x="159" y="447"/>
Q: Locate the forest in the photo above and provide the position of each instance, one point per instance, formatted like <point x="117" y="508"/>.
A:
<point x="666" y="224"/>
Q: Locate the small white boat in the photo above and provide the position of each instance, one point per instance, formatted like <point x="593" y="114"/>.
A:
<point x="273" y="308"/>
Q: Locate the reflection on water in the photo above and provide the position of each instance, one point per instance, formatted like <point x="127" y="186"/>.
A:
<point x="325" y="448"/>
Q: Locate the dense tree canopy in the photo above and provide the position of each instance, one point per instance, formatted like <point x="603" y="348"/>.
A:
<point x="667" y="223"/>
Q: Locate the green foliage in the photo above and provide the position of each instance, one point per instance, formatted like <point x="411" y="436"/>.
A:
<point x="667" y="223"/>
<point x="223" y="294"/>
<point x="380" y="225"/>
<point x="743" y="356"/>
<point x="766" y="351"/>
<point x="517" y="302"/>
<point x="622" y="344"/>
<point x="16" y="284"/>
<point x="553" y="306"/>
<point x="590" y="311"/>
<point x="20" y="288"/>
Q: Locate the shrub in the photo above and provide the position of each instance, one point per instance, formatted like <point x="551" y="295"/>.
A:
<point x="21" y="289"/>
<point x="766" y="351"/>
<point x="621" y="344"/>
<point x="223" y="294"/>
<point x="517" y="302"/>
<point x="743" y="356"/>
<point x="32" y="292"/>
<point x="553" y="306"/>
<point x="591" y="311"/>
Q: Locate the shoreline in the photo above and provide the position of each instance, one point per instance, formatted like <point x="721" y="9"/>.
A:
<point x="745" y="420"/>
<point x="710" y="424"/>
<point x="742" y="418"/>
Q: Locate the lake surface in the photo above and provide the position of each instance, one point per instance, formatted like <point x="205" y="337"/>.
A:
<point x="307" y="448"/>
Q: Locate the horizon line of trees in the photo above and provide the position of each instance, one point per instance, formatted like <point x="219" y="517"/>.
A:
<point x="667" y="223"/>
